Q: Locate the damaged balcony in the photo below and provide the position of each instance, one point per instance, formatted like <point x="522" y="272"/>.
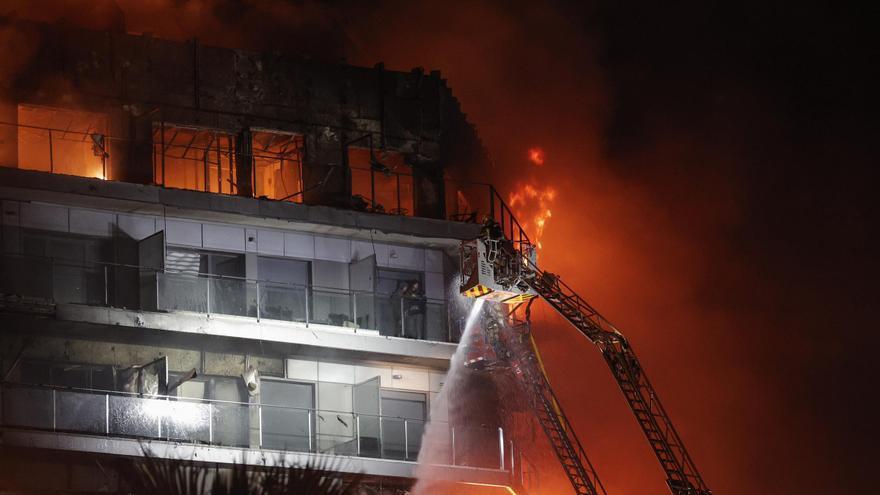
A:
<point x="252" y="432"/>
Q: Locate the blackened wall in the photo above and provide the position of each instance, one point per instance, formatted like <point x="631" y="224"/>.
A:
<point x="139" y="80"/>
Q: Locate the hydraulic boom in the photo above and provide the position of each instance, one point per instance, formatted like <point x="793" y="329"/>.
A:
<point x="501" y="266"/>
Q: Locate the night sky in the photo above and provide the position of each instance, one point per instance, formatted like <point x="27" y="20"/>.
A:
<point x="714" y="171"/>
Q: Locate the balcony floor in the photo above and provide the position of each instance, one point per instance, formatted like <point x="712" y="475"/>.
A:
<point x="12" y="437"/>
<point x="365" y="342"/>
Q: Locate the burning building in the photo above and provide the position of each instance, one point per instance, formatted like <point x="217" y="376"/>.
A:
<point x="228" y="256"/>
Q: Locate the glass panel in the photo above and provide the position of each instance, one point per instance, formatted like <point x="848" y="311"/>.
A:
<point x="477" y="447"/>
<point x="365" y="313"/>
<point x="393" y="438"/>
<point x="134" y="416"/>
<point x="231" y="419"/>
<point x="178" y="292"/>
<point x="27" y="407"/>
<point x="330" y="307"/>
<point x="336" y="433"/>
<point x="414" y="432"/>
<point x="78" y="284"/>
<point x="366" y="403"/>
<point x="388" y="315"/>
<point x="435" y="322"/>
<point x="185" y="420"/>
<point x="230" y="296"/>
<point x="287" y="429"/>
<point x="287" y="421"/>
<point x="282" y="302"/>
<point x="80" y="412"/>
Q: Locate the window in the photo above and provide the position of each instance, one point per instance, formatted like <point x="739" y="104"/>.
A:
<point x="403" y="422"/>
<point x="400" y="303"/>
<point x="283" y="285"/>
<point x="288" y="415"/>
<point x="62" y="141"/>
<point x="229" y="414"/>
<point x="72" y="276"/>
<point x="383" y="181"/>
<point x="205" y="262"/>
<point x="193" y="158"/>
<point x="277" y="165"/>
<point x="203" y="281"/>
<point x="72" y="375"/>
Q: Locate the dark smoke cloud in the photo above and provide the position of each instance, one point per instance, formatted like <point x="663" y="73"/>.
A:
<point x="715" y="179"/>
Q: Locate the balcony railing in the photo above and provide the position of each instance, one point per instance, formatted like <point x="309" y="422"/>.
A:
<point x="245" y="425"/>
<point x="112" y="284"/>
<point x="94" y="154"/>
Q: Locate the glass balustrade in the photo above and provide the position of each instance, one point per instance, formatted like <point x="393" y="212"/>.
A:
<point x="97" y="284"/>
<point x="236" y="424"/>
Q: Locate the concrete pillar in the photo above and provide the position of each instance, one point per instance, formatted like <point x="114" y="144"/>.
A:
<point x="244" y="163"/>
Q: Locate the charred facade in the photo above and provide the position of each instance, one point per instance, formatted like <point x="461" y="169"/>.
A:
<point x="236" y="256"/>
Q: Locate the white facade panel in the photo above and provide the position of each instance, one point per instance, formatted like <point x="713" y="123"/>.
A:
<point x="364" y="373"/>
<point x="361" y="250"/>
<point x="383" y="252"/>
<point x="299" y="245"/>
<point x="332" y="249"/>
<point x="44" y="217"/>
<point x="300" y="369"/>
<point x="135" y="226"/>
<point x="409" y="379"/>
<point x="10" y="215"/>
<point x="91" y="222"/>
<point x="330" y="274"/>
<point x="434" y="287"/>
<point x="250" y="240"/>
<point x="183" y="233"/>
<point x="406" y="257"/>
<point x="270" y="242"/>
<point x="433" y="260"/>
<point x="335" y="372"/>
<point x="222" y="237"/>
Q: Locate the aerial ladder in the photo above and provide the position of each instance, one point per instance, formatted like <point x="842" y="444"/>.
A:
<point x="501" y="266"/>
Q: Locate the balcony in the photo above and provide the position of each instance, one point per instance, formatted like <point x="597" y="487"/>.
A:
<point x="67" y="142"/>
<point x="247" y="425"/>
<point x="54" y="280"/>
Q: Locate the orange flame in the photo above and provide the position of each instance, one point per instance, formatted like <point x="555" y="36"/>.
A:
<point x="531" y="206"/>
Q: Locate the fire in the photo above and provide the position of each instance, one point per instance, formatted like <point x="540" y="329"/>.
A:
<point x="536" y="156"/>
<point x="531" y="205"/>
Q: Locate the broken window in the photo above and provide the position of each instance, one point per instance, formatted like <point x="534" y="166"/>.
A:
<point x="193" y="158"/>
<point x="62" y="141"/>
<point x="277" y="165"/>
<point x="380" y="180"/>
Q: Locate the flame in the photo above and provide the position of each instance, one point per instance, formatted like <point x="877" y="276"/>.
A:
<point x="536" y="156"/>
<point x="531" y="203"/>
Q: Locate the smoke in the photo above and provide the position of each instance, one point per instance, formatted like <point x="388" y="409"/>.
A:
<point x="713" y="183"/>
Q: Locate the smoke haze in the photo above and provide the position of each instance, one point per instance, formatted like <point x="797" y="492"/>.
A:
<point x="713" y="198"/>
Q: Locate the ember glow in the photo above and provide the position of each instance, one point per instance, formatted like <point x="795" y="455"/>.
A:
<point x="536" y="156"/>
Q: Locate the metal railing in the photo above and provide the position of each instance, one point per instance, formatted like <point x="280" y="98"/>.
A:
<point x="245" y="425"/>
<point x="98" y="283"/>
<point x="93" y="154"/>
